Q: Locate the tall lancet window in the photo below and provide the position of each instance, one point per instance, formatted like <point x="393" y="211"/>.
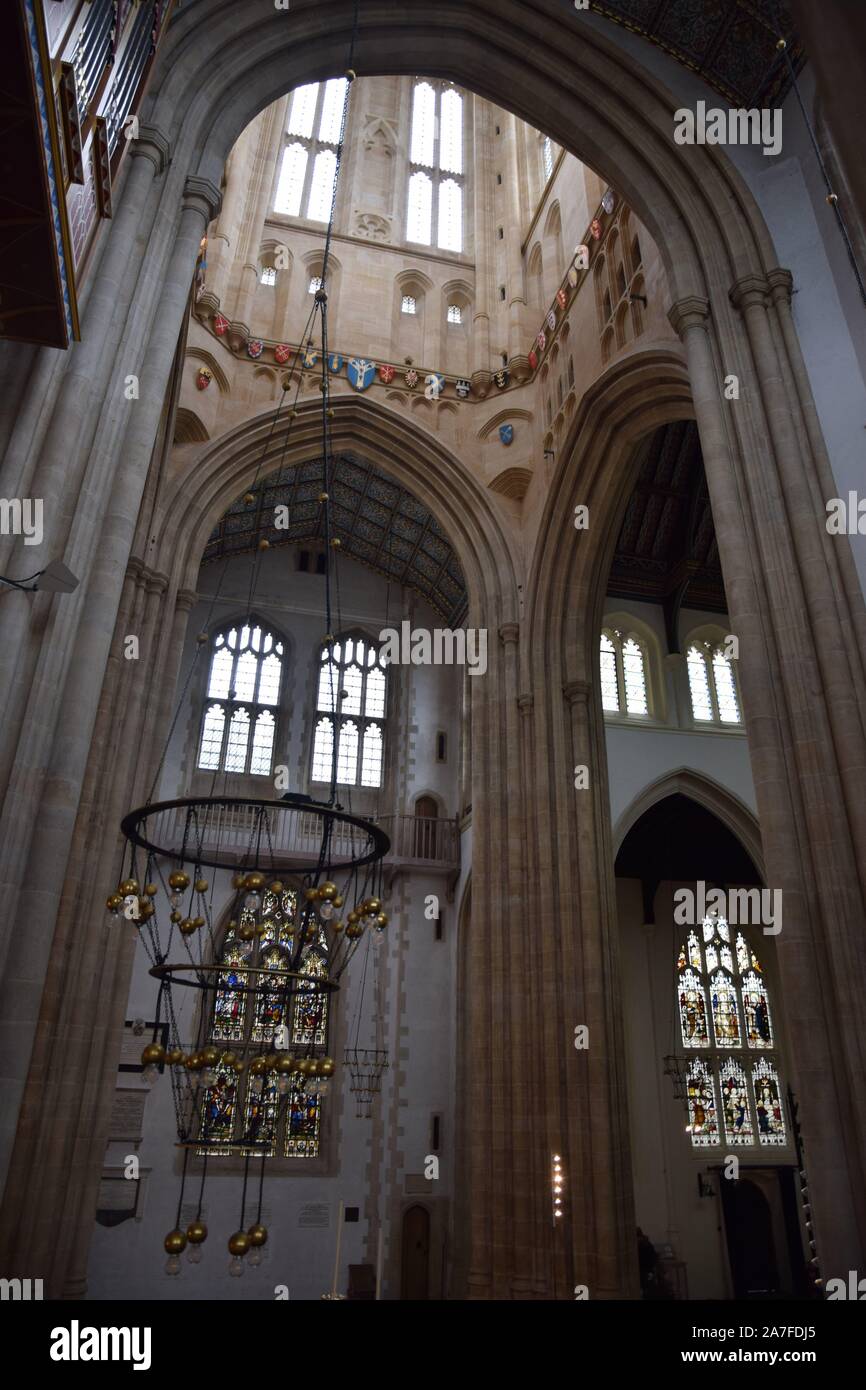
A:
<point x="351" y="703"/>
<point x="243" y="692"/>
<point x="623" y="673"/>
<point x="712" y="683"/>
<point x="434" y="212"/>
<point x="305" y="184"/>
<point x="734" y="1088"/>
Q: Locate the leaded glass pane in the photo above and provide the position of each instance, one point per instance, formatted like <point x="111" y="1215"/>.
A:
<point x="212" y="738"/>
<point x="735" y="1104"/>
<point x="419" y="216"/>
<point x="323" y="751"/>
<point x="371" y="763"/>
<point x="450" y="236"/>
<point x="302" y="112"/>
<point x="347" y="754"/>
<point x="332" y="110"/>
<point x="756" y="1011"/>
<point x="262" y="1113"/>
<point x="609" y="678"/>
<point x="374" y="706"/>
<point x="290" y="186"/>
<point x="768" y="1103"/>
<point x="451" y="133"/>
<point x="726" y="1019"/>
<point x="230" y="999"/>
<point x="635" y="678"/>
<point x="236" y="748"/>
<point x="693" y="1010"/>
<point x="271" y="1004"/>
<point x="423" y="124"/>
<point x="703" y="1123"/>
<point x="269" y="680"/>
<point x="218" y="1109"/>
<point x="263" y="744"/>
<point x="694" y="951"/>
<point x="220" y="674"/>
<point x="245" y="677"/>
<point x="310" y="1023"/>
<point x="329" y="686"/>
<point x="302" y="1128"/>
<point x="742" y="954"/>
<point x="702" y="706"/>
<point x="352" y="683"/>
<point x="322" y="186"/>
<point x="726" y="690"/>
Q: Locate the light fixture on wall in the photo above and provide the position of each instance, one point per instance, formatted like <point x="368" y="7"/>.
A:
<point x="557" y="1184"/>
<point x="54" y="579"/>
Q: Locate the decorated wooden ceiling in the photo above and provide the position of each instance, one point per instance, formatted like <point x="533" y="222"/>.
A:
<point x="666" y="551"/>
<point x="376" y="521"/>
<point x="731" y="44"/>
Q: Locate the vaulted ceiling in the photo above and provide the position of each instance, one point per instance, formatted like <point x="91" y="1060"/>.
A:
<point x="376" y="521"/>
<point x="731" y="44"/>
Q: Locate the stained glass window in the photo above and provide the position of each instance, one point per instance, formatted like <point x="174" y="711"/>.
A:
<point x="703" y="1123"/>
<point x="239" y="1105"/>
<point x="243" y="687"/>
<point x="712" y="684"/>
<point x="623" y="673"/>
<point x="351" y="695"/>
<point x="739" y="1006"/>
<point x="435" y="189"/>
<point x="768" y="1103"/>
<point x="735" y="1104"/>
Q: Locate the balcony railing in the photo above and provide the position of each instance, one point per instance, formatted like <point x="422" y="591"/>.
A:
<point x="423" y="839"/>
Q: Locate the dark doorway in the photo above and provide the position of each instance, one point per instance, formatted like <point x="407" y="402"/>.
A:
<point x="415" y="1272"/>
<point x="751" y="1248"/>
<point x="426" y="812"/>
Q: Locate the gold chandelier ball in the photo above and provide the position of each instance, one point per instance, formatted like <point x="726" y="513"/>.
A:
<point x="336" y="924"/>
<point x="175" y="1242"/>
<point x="303" y="1066"/>
<point x="187" y="926"/>
<point x="196" y="1232"/>
<point x="193" y="1062"/>
<point x="174" y="1056"/>
<point x="152" y="1054"/>
<point x="352" y="917"/>
<point x="178" y="880"/>
<point x="255" y="881"/>
<point x="257" y="1066"/>
<point x="198" y="922"/>
<point x="128" y="886"/>
<point x="328" y="891"/>
<point x="239" y="1243"/>
<point x="258" y="1234"/>
<point x="201" y="639"/>
<point x="374" y="905"/>
<point x="382" y="919"/>
<point x="230" y="1058"/>
<point x="264" y="544"/>
<point x="151" y="890"/>
<point x="246" y="932"/>
<point x="336" y="543"/>
<point x="210" y="1056"/>
<point x="338" y="900"/>
<point x="174" y="916"/>
<point x="238" y="1066"/>
<point x="145" y="911"/>
<point x="249" y="498"/>
<point x="285" y="1063"/>
<point x="271" y="1061"/>
<point x="277" y="887"/>
<point x="327" y="1066"/>
<point x="114" y="902"/>
<point x="201" y="885"/>
<point x="311" y="894"/>
<point x="238" y="880"/>
<point x="354" y="931"/>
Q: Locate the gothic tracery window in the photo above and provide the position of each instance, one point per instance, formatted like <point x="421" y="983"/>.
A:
<point x="238" y="1106"/>
<point x="351" y="707"/>
<point x="623" y="673"/>
<point x="243" y="693"/>
<point x="724" y="1011"/>
<point x="712" y="684"/>
<point x="305" y="186"/>
<point x="435" y="193"/>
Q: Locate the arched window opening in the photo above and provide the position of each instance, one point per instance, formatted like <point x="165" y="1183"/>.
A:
<point x="435" y="193"/>
<point x="243" y="691"/>
<point x="240" y="1106"/>
<point x="426" y="814"/>
<point x="623" y="664"/>
<point x="351" y="704"/>
<point x="713" y="685"/>
<point x="737" y="1022"/>
<point x="308" y="171"/>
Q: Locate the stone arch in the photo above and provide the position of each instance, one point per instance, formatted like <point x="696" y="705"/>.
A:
<point x="705" y="791"/>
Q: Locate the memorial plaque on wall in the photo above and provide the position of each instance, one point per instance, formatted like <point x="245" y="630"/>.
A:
<point x="315" y="1214"/>
<point x="133" y="1044"/>
<point x="117" y="1200"/>
<point x="127" y="1116"/>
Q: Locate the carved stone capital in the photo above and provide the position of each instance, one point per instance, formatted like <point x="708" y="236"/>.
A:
<point x="749" y="292"/>
<point x="781" y="284"/>
<point x="509" y="634"/>
<point x="153" y="145"/>
<point x="186" y="599"/>
<point x="691" y="312"/>
<point x="525" y="703"/>
<point x="577" y="692"/>
<point x="202" y="196"/>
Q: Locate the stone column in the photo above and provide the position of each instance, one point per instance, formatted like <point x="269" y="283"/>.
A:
<point x="269" y="128"/>
<point x="805" y="749"/>
<point x="223" y="235"/>
<point x="45" y="867"/>
<point x="483" y="238"/>
<point x="515" y="288"/>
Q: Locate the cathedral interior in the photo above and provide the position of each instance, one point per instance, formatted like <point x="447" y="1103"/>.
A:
<point x="433" y="837"/>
